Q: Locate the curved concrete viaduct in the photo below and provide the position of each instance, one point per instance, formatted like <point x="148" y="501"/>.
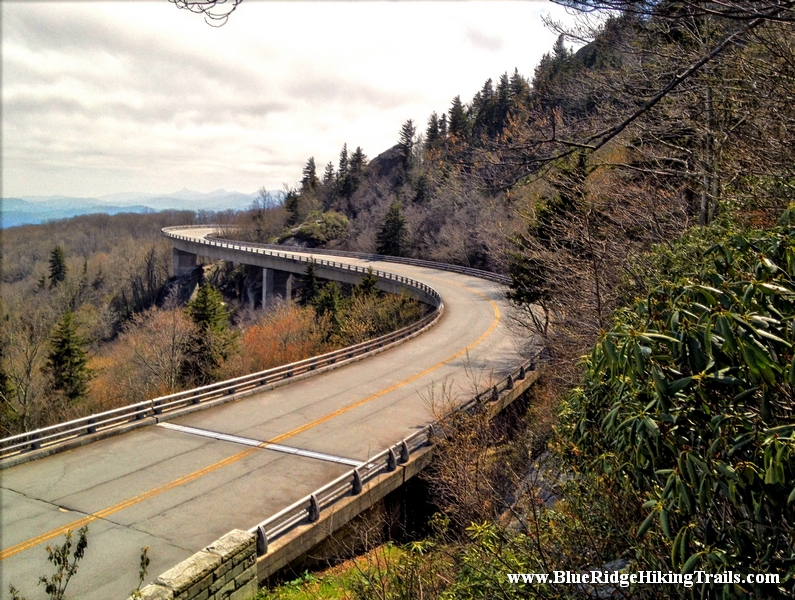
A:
<point x="176" y="490"/>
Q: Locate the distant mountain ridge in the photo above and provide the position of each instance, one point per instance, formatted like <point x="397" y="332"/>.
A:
<point x="32" y="210"/>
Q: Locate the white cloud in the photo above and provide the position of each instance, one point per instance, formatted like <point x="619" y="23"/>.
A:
<point x="101" y="98"/>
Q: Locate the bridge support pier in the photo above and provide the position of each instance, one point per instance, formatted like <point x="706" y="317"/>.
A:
<point x="276" y="286"/>
<point x="182" y="262"/>
<point x="267" y="288"/>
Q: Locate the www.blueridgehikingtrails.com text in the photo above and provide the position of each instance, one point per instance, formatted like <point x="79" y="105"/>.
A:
<point x="641" y="577"/>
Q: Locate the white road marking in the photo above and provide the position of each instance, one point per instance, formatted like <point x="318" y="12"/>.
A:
<point x="224" y="437"/>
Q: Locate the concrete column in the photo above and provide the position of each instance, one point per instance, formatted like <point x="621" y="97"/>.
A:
<point x="182" y="262"/>
<point x="267" y="288"/>
<point x="288" y="290"/>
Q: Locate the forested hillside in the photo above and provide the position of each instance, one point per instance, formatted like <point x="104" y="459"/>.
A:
<point x="638" y="192"/>
<point x="92" y="319"/>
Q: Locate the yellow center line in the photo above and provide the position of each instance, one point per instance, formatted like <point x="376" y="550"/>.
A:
<point x="106" y="512"/>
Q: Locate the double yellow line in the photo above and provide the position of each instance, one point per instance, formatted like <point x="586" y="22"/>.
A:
<point x="44" y="537"/>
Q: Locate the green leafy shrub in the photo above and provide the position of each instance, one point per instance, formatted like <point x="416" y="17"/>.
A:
<point x="319" y="229"/>
<point x="689" y="398"/>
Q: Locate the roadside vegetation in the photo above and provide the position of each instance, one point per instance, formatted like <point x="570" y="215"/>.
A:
<point x="92" y="321"/>
<point x="639" y="192"/>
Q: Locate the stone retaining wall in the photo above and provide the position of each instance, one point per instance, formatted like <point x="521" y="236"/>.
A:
<point x="224" y="570"/>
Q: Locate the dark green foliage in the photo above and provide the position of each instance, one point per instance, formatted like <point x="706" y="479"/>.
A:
<point x="329" y="186"/>
<point x="351" y="172"/>
<point x="392" y="238"/>
<point x="367" y="286"/>
<point x="342" y="170"/>
<point x="459" y="121"/>
<point x="309" y="180"/>
<point x="212" y="341"/>
<point x="329" y="303"/>
<point x="66" y="367"/>
<point x="432" y="133"/>
<point x="690" y="398"/>
<point x="207" y="310"/>
<point x="311" y="285"/>
<point x="356" y="172"/>
<point x="406" y="142"/>
<point x="292" y="206"/>
<point x="57" y="266"/>
<point x="444" y="128"/>
<point x="328" y="174"/>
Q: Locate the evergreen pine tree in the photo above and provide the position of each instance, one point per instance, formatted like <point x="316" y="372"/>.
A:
<point x="342" y="171"/>
<point x="483" y="109"/>
<point x="292" y="206"/>
<point x="329" y="303"/>
<point x="459" y="122"/>
<point x="392" y="237"/>
<point x="311" y="285"/>
<point x="356" y="165"/>
<point x="207" y="310"/>
<point x="559" y="50"/>
<point x="503" y="104"/>
<point x="57" y="266"/>
<point x="406" y="142"/>
<point x="211" y="341"/>
<point x="367" y="286"/>
<point x="329" y="186"/>
<point x="66" y="367"/>
<point x="443" y="127"/>
<point x="309" y="180"/>
<point x="328" y="174"/>
<point x="432" y="132"/>
<point x="520" y="90"/>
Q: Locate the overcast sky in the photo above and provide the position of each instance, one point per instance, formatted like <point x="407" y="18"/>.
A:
<point x="100" y="98"/>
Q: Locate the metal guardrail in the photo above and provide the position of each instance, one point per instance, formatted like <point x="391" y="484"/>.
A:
<point x="307" y="510"/>
<point x="299" y="255"/>
<point x="495" y="277"/>
<point x="111" y="419"/>
<point x="54" y="434"/>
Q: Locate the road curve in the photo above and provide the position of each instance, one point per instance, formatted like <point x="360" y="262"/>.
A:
<point x="176" y="491"/>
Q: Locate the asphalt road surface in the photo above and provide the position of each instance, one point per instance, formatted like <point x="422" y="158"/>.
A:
<point x="177" y="489"/>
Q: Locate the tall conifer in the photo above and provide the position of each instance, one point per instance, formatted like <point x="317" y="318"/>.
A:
<point x="66" y="367"/>
<point x="57" y="266"/>
<point x="392" y="237"/>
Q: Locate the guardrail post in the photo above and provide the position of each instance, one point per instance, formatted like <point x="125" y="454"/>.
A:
<point x="314" y="509"/>
<point x="522" y="374"/>
<point x="391" y="460"/>
<point x="356" y="486"/>
<point x="404" y="452"/>
<point x="262" y="541"/>
<point x="495" y="394"/>
<point x="91" y="427"/>
<point x="509" y="384"/>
